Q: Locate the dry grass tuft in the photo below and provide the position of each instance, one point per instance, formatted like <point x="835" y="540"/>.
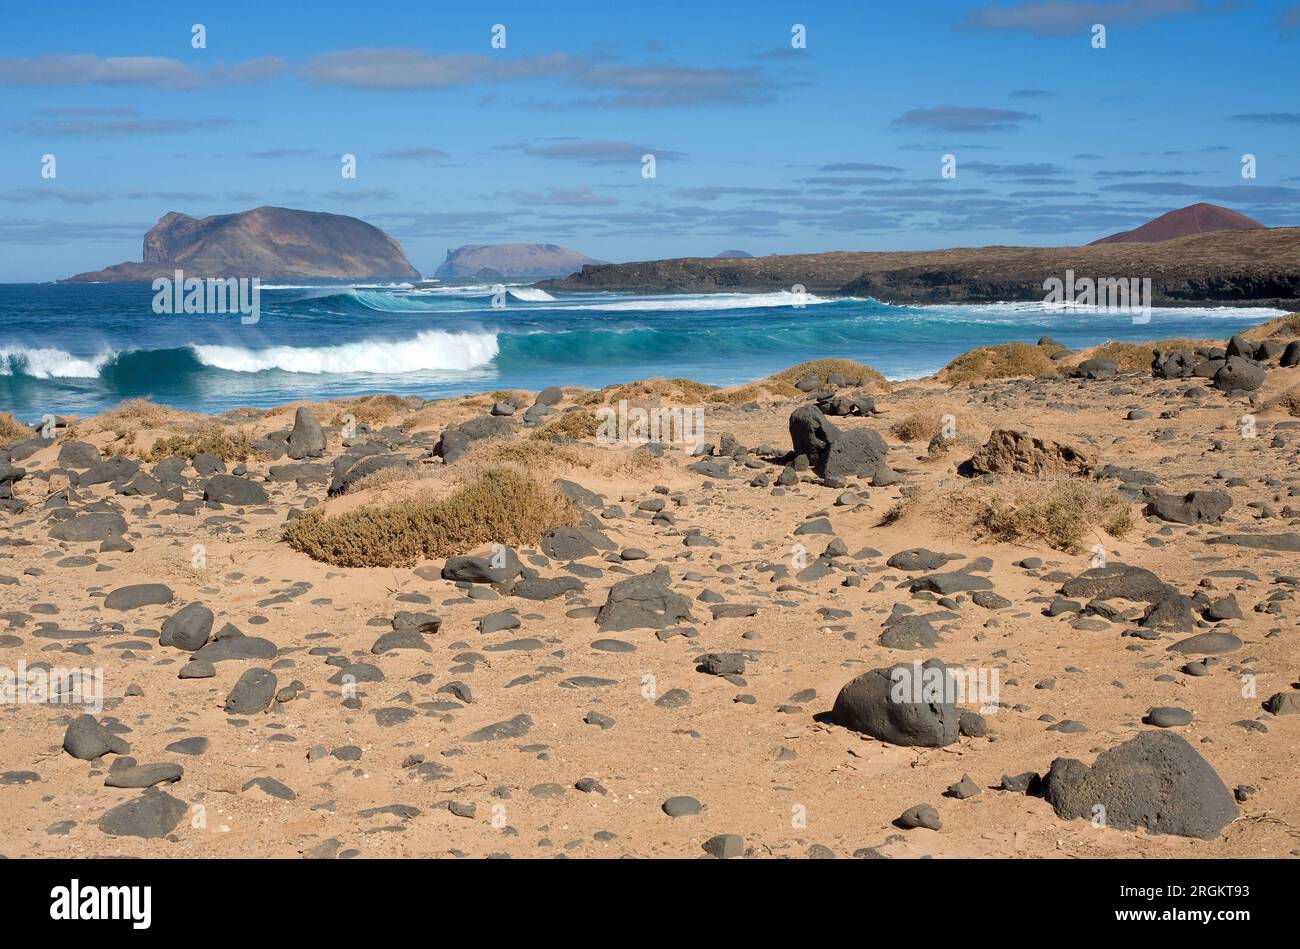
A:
<point x="824" y="368"/>
<point x="374" y="409"/>
<point x="916" y="427"/>
<point x="1060" y="513"/>
<point x="1139" y="355"/>
<point x="398" y="474"/>
<point x="11" y="430"/>
<point x="1288" y="325"/>
<point x="650" y="392"/>
<point x="1289" y="401"/>
<point x="1004" y="361"/>
<point x="227" y="446"/>
<point x="579" y="423"/>
<point x="501" y="506"/>
<point x="133" y="415"/>
<point x="754" y="392"/>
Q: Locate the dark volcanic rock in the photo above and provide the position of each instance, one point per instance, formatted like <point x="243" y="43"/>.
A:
<point x="153" y="814"/>
<point x="90" y="528"/>
<point x="231" y="489"/>
<point x="1239" y="374"/>
<point x="1195" y="507"/>
<point x="87" y="739"/>
<point x="188" y="628"/>
<point x="644" y="602"/>
<point x="138" y="595"/>
<point x="1155" y="781"/>
<point x="252" y="693"/>
<point x="881" y="703"/>
<point x="307" y="440"/>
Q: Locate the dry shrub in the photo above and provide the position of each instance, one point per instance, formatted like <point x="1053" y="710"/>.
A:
<point x="1288" y="325"/>
<point x="918" y="426"/>
<point x="11" y="429"/>
<point x="1289" y="401"/>
<point x="397" y="474"/>
<point x="654" y="391"/>
<point x="1004" y="361"/>
<point x="579" y="423"/>
<point x="132" y="415"/>
<point x="561" y="457"/>
<point x="902" y="509"/>
<point x="1139" y="355"/>
<point x="374" y="409"/>
<point x="823" y="369"/>
<point x="753" y="392"/>
<point x="501" y="506"/>
<point x="228" y="446"/>
<point x="1060" y="513"/>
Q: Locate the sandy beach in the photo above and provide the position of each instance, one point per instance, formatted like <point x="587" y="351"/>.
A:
<point x="478" y="626"/>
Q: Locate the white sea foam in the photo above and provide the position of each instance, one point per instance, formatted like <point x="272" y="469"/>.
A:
<point x="1069" y="308"/>
<point x="430" y="350"/>
<point x="531" y="295"/>
<point x="51" y="363"/>
<point x="705" y="301"/>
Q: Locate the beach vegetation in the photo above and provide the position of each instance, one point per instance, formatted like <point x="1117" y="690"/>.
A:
<point x="500" y="506"/>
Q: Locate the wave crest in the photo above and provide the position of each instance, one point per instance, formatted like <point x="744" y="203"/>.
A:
<point x="431" y="349"/>
<point x="41" y="363"/>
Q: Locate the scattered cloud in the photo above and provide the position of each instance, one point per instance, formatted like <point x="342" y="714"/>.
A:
<point x="1240" y="194"/>
<point x="129" y="125"/>
<point x="948" y="118"/>
<point x="858" y="166"/>
<point x="419" y="153"/>
<point x="80" y="196"/>
<point x="88" y="69"/>
<point x="609" y="83"/>
<point x="1268" y="118"/>
<point x="577" y="197"/>
<point x="273" y="153"/>
<point x="1047" y="17"/>
<point x="361" y="194"/>
<point x="1133" y="173"/>
<point x="714" y="192"/>
<point x="596" y="151"/>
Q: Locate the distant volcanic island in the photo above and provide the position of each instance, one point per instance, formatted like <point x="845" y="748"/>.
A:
<point x="266" y="242"/>
<point x="1202" y="255"/>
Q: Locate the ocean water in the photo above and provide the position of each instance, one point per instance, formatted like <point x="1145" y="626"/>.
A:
<point x="80" y="348"/>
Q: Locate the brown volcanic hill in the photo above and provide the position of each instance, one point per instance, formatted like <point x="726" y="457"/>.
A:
<point x="266" y="242"/>
<point x="1193" y="219"/>
<point x="1260" y="267"/>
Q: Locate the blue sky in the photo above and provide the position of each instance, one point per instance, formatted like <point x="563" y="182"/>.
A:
<point x="759" y="146"/>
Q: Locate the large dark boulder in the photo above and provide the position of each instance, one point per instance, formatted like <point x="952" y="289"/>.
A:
<point x="231" y="489"/>
<point x="811" y="433"/>
<point x="1156" y="782"/>
<point x="856" y="453"/>
<point x="78" y="455"/>
<point x="307" y="440"/>
<point x="88" y="528"/>
<point x="644" y="602"/>
<point x="188" y="628"/>
<point x="883" y="703"/>
<point x="1239" y="375"/>
<point x="1195" y="507"/>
